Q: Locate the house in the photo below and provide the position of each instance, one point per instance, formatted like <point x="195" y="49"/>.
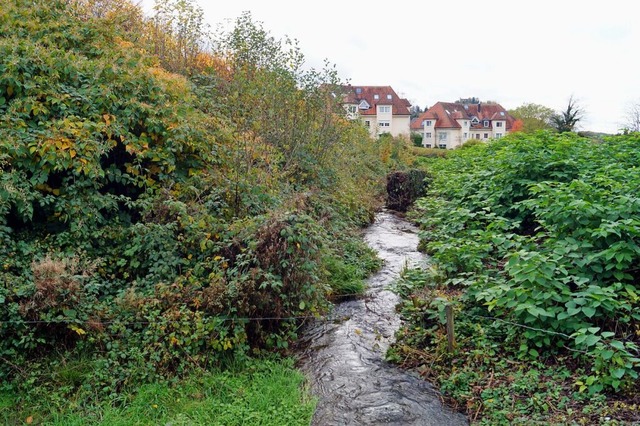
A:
<point x="448" y="125"/>
<point x="379" y="107"/>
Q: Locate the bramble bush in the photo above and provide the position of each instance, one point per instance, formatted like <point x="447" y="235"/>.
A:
<point x="150" y="222"/>
<point x="539" y="232"/>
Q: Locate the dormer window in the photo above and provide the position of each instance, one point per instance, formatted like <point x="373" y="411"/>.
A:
<point x="389" y="97"/>
<point x="475" y="120"/>
<point x="376" y="97"/>
<point x="364" y="105"/>
<point x="358" y="90"/>
<point x="486" y="123"/>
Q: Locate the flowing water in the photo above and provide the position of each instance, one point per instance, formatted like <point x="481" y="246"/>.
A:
<point x="344" y="358"/>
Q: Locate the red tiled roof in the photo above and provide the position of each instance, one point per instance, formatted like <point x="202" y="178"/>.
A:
<point x="446" y="114"/>
<point x="355" y="95"/>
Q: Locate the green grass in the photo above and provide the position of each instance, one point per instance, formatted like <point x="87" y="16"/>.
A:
<point x="261" y="392"/>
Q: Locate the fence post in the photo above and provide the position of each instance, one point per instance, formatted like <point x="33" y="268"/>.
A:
<point x="451" y="339"/>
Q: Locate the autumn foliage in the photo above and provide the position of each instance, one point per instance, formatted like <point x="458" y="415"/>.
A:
<point x="158" y="197"/>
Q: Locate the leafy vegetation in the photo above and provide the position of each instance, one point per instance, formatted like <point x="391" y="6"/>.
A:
<point x="533" y="117"/>
<point x="257" y="393"/>
<point x="534" y="242"/>
<point x="165" y="209"/>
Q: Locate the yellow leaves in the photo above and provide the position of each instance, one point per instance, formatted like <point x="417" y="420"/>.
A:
<point x="77" y="329"/>
<point x="124" y="43"/>
<point x="108" y="118"/>
<point x="133" y="170"/>
<point x="172" y="82"/>
<point x="29" y="420"/>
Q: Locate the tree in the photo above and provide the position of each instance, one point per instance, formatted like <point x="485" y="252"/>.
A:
<point x="472" y="100"/>
<point x="632" y="118"/>
<point x="566" y="120"/>
<point x="415" y="111"/>
<point x="178" y="34"/>
<point x="533" y="117"/>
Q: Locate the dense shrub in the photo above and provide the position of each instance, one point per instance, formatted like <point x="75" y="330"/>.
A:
<point x="150" y="222"/>
<point x="404" y="187"/>
<point x="541" y="231"/>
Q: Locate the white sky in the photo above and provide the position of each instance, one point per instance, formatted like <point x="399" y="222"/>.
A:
<point x="512" y="52"/>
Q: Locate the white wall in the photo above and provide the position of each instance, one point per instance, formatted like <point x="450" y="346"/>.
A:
<point x="401" y="125"/>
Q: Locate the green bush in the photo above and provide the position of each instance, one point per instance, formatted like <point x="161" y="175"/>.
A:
<point x="541" y="230"/>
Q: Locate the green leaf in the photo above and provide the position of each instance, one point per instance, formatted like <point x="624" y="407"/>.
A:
<point x="70" y="313"/>
<point x="606" y="354"/>
<point x="588" y="311"/>
<point x="617" y="344"/>
<point x="592" y="339"/>
<point x="618" y="373"/>
<point x="302" y="305"/>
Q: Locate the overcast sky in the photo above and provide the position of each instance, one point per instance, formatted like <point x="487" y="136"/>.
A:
<point x="512" y="52"/>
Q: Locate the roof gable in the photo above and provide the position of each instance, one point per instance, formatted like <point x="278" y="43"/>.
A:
<point x="446" y="115"/>
<point x="374" y="96"/>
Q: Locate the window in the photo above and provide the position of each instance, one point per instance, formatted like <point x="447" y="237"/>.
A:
<point x="376" y="96"/>
<point x="367" y="123"/>
<point x="384" y="109"/>
<point x="427" y="135"/>
<point x="427" y="123"/>
<point x="465" y="136"/>
<point x="352" y="109"/>
<point x="389" y="97"/>
<point x="499" y="124"/>
<point x="442" y="136"/>
<point x="477" y="135"/>
<point x="364" y="105"/>
<point x="475" y="120"/>
<point x="384" y="124"/>
<point x="498" y="135"/>
<point x="486" y="123"/>
<point x="358" y="90"/>
<point x="486" y="135"/>
<point x="466" y="123"/>
<point x="442" y="146"/>
<point x="427" y="145"/>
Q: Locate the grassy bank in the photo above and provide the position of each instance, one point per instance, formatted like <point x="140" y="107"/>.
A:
<point x="259" y="392"/>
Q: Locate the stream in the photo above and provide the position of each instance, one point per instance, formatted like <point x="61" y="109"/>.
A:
<point x="344" y="358"/>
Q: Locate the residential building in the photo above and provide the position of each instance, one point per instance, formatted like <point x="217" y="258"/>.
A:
<point x="448" y="125"/>
<point x="379" y="107"/>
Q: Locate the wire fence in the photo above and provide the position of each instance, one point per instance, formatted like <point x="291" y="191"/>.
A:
<point x="327" y="317"/>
